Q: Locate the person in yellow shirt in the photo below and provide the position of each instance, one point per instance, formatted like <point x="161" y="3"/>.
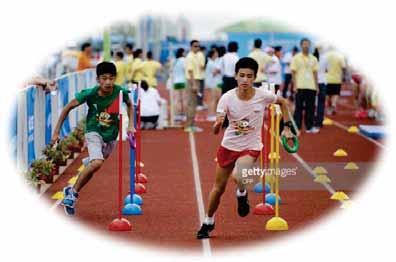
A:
<point x="121" y="68"/>
<point x="201" y="78"/>
<point x="137" y="65"/>
<point x="150" y="69"/>
<point x="192" y="70"/>
<point x="334" y="74"/>
<point x="84" y="58"/>
<point x="262" y="59"/>
<point x="129" y="60"/>
<point x="304" y="67"/>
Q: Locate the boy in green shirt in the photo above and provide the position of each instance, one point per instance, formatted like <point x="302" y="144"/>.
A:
<point x="102" y="126"/>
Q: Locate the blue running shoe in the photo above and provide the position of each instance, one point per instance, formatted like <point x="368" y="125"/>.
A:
<point x="69" y="201"/>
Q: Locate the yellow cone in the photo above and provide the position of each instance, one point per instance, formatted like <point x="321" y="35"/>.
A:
<point x="323" y="179"/>
<point x="73" y="180"/>
<point x="340" y="152"/>
<point x="346" y="204"/>
<point x="353" y="130"/>
<point x="81" y="168"/>
<point x="351" y="166"/>
<point x="58" y="195"/>
<point x="277" y="224"/>
<point x="339" y="196"/>
<point x="319" y="170"/>
<point x="327" y="122"/>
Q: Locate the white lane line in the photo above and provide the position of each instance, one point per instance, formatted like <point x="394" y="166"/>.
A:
<point x="338" y="124"/>
<point x="311" y="172"/>
<point x="198" y="192"/>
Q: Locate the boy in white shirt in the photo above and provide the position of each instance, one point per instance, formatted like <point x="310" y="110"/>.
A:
<point x="241" y="144"/>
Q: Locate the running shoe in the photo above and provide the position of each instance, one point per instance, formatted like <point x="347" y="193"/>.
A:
<point x="243" y="205"/>
<point x="205" y="230"/>
<point x="69" y="201"/>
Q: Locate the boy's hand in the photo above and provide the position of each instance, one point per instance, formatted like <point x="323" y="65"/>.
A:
<point x="287" y="132"/>
<point x="131" y="129"/>
<point x="219" y="122"/>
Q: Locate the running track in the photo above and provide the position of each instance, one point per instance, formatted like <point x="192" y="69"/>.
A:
<point x="180" y="168"/>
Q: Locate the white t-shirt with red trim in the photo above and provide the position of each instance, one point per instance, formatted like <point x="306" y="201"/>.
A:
<point x="245" y="119"/>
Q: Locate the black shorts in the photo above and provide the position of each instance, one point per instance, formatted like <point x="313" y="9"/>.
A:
<point x="333" y="89"/>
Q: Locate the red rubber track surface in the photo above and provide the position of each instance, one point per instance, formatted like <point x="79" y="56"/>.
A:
<point x="170" y="212"/>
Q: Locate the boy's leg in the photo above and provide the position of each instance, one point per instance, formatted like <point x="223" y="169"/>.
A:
<point x="95" y="146"/>
<point x="222" y="175"/>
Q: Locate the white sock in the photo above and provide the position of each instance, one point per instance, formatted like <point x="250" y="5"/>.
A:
<point x="209" y="220"/>
<point x="239" y="193"/>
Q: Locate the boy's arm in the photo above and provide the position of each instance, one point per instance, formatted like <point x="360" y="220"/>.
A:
<point x="131" y="120"/>
<point x="219" y="122"/>
<point x="72" y="104"/>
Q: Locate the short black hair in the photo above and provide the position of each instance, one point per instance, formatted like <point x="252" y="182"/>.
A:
<point x="211" y="53"/>
<point x="222" y="50"/>
<point x="179" y="52"/>
<point x="144" y="85"/>
<point x="295" y="49"/>
<point x="304" y="39"/>
<point x="232" y="46"/>
<point x="129" y="45"/>
<point x="193" y="42"/>
<point x="106" y="68"/>
<point x="278" y="48"/>
<point x="137" y="52"/>
<point x="120" y="54"/>
<point x="149" y="55"/>
<point x="85" y="45"/>
<point x="257" y="43"/>
<point x="246" y="62"/>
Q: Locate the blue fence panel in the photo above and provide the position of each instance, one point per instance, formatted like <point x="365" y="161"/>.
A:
<point x="48" y="118"/>
<point x="30" y="97"/>
<point x="63" y="86"/>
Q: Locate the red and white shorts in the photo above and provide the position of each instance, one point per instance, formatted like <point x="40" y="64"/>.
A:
<point x="227" y="158"/>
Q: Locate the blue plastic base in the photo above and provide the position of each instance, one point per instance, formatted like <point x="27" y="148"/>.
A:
<point x="258" y="188"/>
<point x="270" y="198"/>
<point x="372" y="131"/>
<point x="136" y="199"/>
<point x="132" y="210"/>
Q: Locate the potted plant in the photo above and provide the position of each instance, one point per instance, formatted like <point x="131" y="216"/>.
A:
<point x="42" y="170"/>
<point x="56" y="154"/>
<point x="72" y="144"/>
<point x="78" y="133"/>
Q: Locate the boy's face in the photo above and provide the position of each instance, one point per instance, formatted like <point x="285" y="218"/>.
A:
<point x="106" y="82"/>
<point x="245" y="78"/>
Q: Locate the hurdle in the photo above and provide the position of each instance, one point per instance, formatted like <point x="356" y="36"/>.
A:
<point x="120" y="223"/>
<point x="276" y="223"/>
<point x="264" y="208"/>
<point x="133" y="200"/>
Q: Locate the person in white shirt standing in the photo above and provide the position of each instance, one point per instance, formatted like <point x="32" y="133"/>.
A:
<point x="241" y="144"/>
<point x="274" y="67"/>
<point x="320" y="108"/>
<point x="179" y="85"/>
<point x="288" y="84"/>
<point x="212" y="81"/>
<point x="227" y="67"/>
